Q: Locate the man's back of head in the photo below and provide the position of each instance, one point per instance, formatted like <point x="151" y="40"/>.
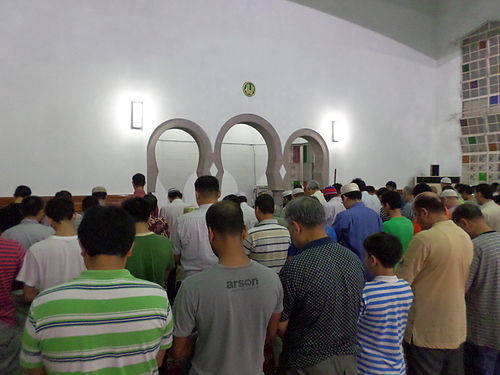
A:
<point x="32" y="206"/>
<point x="207" y="189"/>
<point x="391" y="185"/>
<point x="391" y="200"/>
<point x="138" y="180"/>
<point x="312" y="187"/>
<point x="60" y="209"/>
<point x="22" y="191"/>
<point x="225" y="218"/>
<point x="484" y="193"/>
<point x="361" y="184"/>
<point x="264" y="206"/>
<point x="138" y="208"/>
<point x="64" y="194"/>
<point x="174" y="194"/>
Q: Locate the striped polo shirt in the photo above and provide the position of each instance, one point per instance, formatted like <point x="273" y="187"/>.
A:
<point x="483" y="292"/>
<point x="267" y="243"/>
<point x="11" y="260"/>
<point x="384" y="314"/>
<point x="103" y="322"/>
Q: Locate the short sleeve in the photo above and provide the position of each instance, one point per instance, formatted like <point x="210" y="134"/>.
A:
<point x="184" y="312"/>
<point x="176" y="239"/>
<point x="29" y="273"/>
<point x="413" y="261"/>
<point x="166" y="340"/>
<point x="31" y="356"/>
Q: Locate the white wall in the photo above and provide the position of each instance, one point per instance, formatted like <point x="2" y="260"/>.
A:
<point x="70" y="68"/>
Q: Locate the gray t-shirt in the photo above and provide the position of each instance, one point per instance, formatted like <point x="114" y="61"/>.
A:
<point x="230" y="307"/>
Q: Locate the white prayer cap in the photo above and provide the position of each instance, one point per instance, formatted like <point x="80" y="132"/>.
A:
<point x="449" y="193"/>
<point x="298" y="191"/>
<point x="348" y="188"/>
<point x="241" y="194"/>
<point x="287" y="193"/>
<point x="445" y="180"/>
<point x="171" y="190"/>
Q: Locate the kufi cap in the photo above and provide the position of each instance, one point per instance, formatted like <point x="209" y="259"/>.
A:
<point x="287" y="193"/>
<point x="445" y="180"/>
<point x="241" y="194"/>
<point x="298" y="191"/>
<point x="449" y="193"/>
<point x="99" y="189"/>
<point x="348" y="188"/>
<point x="329" y="191"/>
<point x="174" y="189"/>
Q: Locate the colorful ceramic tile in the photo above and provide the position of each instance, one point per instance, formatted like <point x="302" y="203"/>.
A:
<point x="493" y="100"/>
<point x="472" y="140"/>
<point x="465" y="68"/>
<point x="465" y="159"/>
<point x="483" y="176"/>
<point x="473" y="85"/>
<point x="482" y="44"/>
<point x="463" y="122"/>
<point x="493" y="146"/>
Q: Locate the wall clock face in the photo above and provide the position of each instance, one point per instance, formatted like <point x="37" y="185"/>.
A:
<point x="249" y="89"/>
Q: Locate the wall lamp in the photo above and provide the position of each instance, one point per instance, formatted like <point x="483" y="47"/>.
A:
<point x="333" y="132"/>
<point x="136" y="115"/>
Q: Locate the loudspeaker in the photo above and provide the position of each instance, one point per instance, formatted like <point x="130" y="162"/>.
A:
<point x="434" y="169"/>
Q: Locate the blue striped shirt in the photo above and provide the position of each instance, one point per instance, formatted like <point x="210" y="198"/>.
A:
<point x="384" y="314"/>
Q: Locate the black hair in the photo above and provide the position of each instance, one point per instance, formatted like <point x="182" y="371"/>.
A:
<point x="89" y="202"/>
<point x="225" y="218"/>
<point x="206" y="185"/>
<point x="59" y="209"/>
<point x="138" y="208"/>
<point x="32" y="205"/>
<point x="139" y="179"/>
<point x="174" y="194"/>
<point x="106" y="230"/>
<point x="337" y="187"/>
<point x="361" y="184"/>
<point x="22" y="191"/>
<point x="152" y="201"/>
<point x="494" y="186"/>
<point x="467" y="211"/>
<point x="242" y="199"/>
<point x="460" y="187"/>
<point x="469" y="190"/>
<point x="353" y="195"/>
<point x="485" y="190"/>
<point x="391" y="185"/>
<point x="420" y="188"/>
<point x="370" y="189"/>
<point x="232" y="198"/>
<point x="265" y="202"/>
<point x="385" y="247"/>
<point x="382" y="191"/>
<point x="431" y="203"/>
<point x="63" y="194"/>
<point x="392" y="198"/>
<point x="100" y="195"/>
<point x="496" y="199"/>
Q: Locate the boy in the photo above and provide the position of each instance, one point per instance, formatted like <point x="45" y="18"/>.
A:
<point x="384" y="309"/>
<point x="397" y="225"/>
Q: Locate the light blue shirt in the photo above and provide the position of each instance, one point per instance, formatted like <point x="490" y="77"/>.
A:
<point x="28" y="232"/>
<point x="354" y="225"/>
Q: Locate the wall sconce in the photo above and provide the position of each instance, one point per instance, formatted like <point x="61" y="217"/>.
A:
<point x="136" y="115"/>
<point x="333" y="132"/>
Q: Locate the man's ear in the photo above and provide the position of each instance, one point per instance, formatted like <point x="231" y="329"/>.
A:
<point x="131" y="250"/>
<point x="211" y="235"/>
<point x="83" y="252"/>
<point x="296" y="227"/>
<point x="218" y="195"/>
<point x="244" y="232"/>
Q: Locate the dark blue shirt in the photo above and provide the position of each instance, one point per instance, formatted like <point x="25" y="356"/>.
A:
<point x="322" y="297"/>
<point x="354" y="225"/>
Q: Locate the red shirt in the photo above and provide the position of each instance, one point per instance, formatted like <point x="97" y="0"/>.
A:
<point x="11" y="260"/>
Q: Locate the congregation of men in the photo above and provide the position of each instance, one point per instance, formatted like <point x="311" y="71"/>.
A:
<point x="343" y="279"/>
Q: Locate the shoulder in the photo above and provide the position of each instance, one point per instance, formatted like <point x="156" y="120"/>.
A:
<point x="6" y="243"/>
<point x="43" y="244"/>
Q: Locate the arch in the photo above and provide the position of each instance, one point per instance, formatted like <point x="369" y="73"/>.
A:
<point x="194" y="130"/>
<point x="321" y="154"/>
<point x="275" y="157"/>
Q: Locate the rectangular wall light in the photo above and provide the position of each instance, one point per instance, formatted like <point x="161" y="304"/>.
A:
<point x="136" y="115"/>
<point x="333" y="132"/>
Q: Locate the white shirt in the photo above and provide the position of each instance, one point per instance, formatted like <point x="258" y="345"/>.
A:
<point x="371" y="201"/>
<point x="319" y="195"/>
<point x="53" y="261"/>
<point x="190" y="241"/>
<point x="332" y="208"/>
<point x="248" y="215"/>
<point x="172" y="211"/>
<point x="491" y="212"/>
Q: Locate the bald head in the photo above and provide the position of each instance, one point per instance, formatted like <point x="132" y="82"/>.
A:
<point x="429" y="201"/>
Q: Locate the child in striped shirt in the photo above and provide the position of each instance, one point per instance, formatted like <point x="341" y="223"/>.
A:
<point x="384" y="309"/>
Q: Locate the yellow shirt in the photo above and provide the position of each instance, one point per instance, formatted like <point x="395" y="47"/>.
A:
<point x="436" y="265"/>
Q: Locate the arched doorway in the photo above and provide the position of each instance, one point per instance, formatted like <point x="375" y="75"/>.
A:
<point x="318" y="162"/>
<point x="273" y="143"/>
<point x="194" y="132"/>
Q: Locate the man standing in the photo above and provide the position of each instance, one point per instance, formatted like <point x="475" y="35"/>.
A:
<point x="370" y="201"/>
<point x="56" y="259"/>
<point x="357" y="222"/>
<point x="450" y="199"/>
<point x="436" y="265"/>
<point x="11" y="259"/>
<point x="322" y="297"/>
<point x="138" y="183"/>
<point x="248" y="212"/>
<point x="313" y="190"/>
<point x="100" y="193"/>
<point x="333" y="205"/>
<point x="152" y="258"/>
<point x="234" y="305"/>
<point x="467" y="193"/>
<point x="172" y="211"/>
<point x="397" y="225"/>
<point x="407" y="210"/>
<point x="29" y="231"/>
<point x="490" y="210"/>
<point x="11" y="215"/>
<point x="267" y="243"/>
<point x="482" y="349"/>
<point x="105" y="321"/>
<point x="445" y="183"/>
<point x="190" y="238"/>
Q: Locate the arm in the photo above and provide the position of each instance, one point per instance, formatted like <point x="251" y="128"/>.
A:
<point x="29" y="293"/>
<point x="282" y="326"/>
<point x="36" y="371"/>
<point x="184" y="346"/>
<point x="474" y="268"/>
<point x="272" y="327"/>
<point x="160" y="357"/>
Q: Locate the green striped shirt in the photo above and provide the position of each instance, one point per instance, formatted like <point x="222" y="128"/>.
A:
<point x="102" y="322"/>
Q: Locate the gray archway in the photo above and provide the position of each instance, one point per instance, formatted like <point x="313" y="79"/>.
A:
<point x="321" y="154"/>
<point x="275" y="157"/>
<point x="194" y="130"/>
